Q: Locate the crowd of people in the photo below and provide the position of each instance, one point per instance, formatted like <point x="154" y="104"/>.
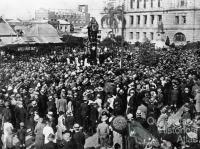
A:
<point x="63" y="99"/>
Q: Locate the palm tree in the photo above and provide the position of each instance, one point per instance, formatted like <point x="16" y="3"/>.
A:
<point x="112" y="16"/>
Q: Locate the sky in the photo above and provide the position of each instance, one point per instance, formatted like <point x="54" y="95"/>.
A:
<point x="25" y="9"/>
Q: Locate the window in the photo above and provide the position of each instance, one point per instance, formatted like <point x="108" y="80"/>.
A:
<point x="137" y="35"/>
<point x="145" y="3"/>
<point x="152" y="19"/>
<point x="160" y="18"/>
<point x="144" y="35"/>
<point x="138" y="3"/>
<point x="184" y="19"/>
<point x="145" y="19"/>
<point x="131" y="20"/>
<point x="152" y="36"/>
<point x="182" y="3"/>
<point x="151" y="3"/>
<point x="176" y="19"/>
<point x="138" y="20"/>
<point x="158" y="3"/>
<point x="131" y="35"/>
<point x="179" y="37"/>
<point x="131" y="5"/>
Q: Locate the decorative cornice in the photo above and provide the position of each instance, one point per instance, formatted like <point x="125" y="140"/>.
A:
<point x="164" y="10"/>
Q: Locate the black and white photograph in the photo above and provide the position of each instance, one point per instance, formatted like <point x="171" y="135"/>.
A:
<point x="99" y="74"/>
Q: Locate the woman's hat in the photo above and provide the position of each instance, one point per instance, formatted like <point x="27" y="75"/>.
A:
<point x="50" y="114"/>
<point x="104" y="118"/>
<point x="130" y="116"/>
<point x="34" y="102"/>
<point x="189" y="122"/>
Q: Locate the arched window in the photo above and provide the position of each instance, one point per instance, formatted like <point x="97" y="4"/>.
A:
<point x="179" y="37"/>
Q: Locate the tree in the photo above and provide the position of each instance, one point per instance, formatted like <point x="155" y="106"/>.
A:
<point x="112" y="16"/>
<point x="107" y="42"/>
<point x="72" y="41"/>
<point x="147" y="55"/>
<point x="118" y="41"/>
<point x="113" y="42"/>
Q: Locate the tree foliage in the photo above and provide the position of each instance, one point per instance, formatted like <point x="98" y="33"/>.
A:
<point x="113" y="42"/>
<point x="73" y="41"/>
<point x="112" y="16"/>
<point x="147" y="54"/>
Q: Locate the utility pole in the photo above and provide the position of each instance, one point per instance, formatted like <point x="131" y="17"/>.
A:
<point x="122" y="42"/>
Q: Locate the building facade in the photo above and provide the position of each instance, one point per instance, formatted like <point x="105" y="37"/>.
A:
<point x="79" y="17"/>
<point x="63" y="26"/>
<point x="179" y="20"/>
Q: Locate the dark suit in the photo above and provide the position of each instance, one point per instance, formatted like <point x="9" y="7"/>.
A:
<point x="50" y="145"/>
<point x="68" y="145"/>
<point x="79" y="139"/>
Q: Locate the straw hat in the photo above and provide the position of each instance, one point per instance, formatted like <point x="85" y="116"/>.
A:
<point x="50" y="114"/>
<point x="76" y="127"/>
<point x="104" y="118"/>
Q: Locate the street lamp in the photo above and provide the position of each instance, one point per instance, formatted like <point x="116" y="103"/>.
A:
<point x="122" y="42"/>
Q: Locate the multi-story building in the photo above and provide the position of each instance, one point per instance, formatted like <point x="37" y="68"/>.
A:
<point x="179" y="19"/>
<point x="113" y="3"/>
<point x="79" y="17"/>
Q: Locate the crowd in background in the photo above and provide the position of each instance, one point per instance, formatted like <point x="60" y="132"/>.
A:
<point x="63" y="99"/>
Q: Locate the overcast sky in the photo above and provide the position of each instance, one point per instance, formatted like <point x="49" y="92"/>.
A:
<point x="25" y="8"/>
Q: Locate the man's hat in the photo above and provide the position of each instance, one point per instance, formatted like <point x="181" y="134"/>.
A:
<point x="34" y="102"/>
<point x="22" y="124"/>
<point x="50" y="114"/>
<point x="76" y="126"/>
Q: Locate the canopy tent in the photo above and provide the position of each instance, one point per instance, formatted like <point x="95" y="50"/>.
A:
<point x="42" y="33"/>
<point x="7" y="34"/>
<point x="5" y="29"/>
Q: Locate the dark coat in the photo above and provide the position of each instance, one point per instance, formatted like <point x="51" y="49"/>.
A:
<point x="79" y="139"/>
<point x="68" y="145"/>
<point x="118" y="106"/>
<point x="50" y="145"/>
<point x="20" y="114"/>
<point x="42" y="105"/>
<point x="21" y="134"/>
<point x="93" y="114"/>
<point x="69" y="122"/>
<point x="133" y="104"/>
<point x="84" y="109"/>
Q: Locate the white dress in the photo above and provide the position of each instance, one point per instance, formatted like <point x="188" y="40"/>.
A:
<point x="8" y="136"/>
